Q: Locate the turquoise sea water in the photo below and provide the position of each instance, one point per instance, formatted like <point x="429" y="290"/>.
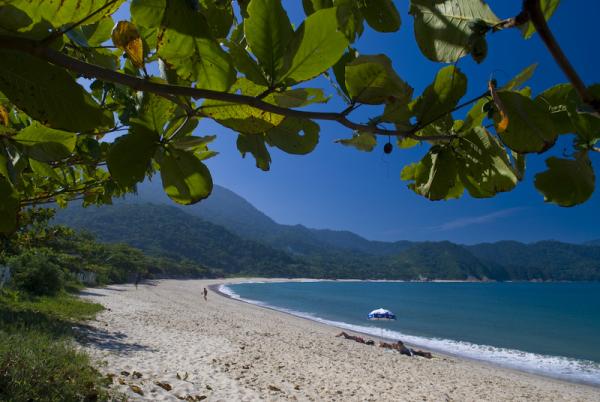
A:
<point x="546" y="328"/>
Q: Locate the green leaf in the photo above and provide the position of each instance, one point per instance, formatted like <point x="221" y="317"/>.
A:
<point x="45" y="144"/>
<point x="372" y="80"/>
<point x="442" y="26"/>
<point x="521" y="78"/>
<point x="361" y="141"/>
<point x="9" y="207"/>
<point x="567" y="182"/>
<point x="548" y="7"/>
<point x="350" y="19"/>
<point x="475" y="116"/>
<point x="148" y="13"/>
<point x="530" y="127"/>
<point x="155" y="112"/>
<point x="243" y="118"/>
<point x="64" y="12"/>
<point x="246" y="64"/>
<point x="339" y="69"/>
<point x="435" y="176"/>
<point x="98" y="33"/>
<point x="381" y="15"/>
<point x="219" y="15"/>
<point x="294" y="136"/>
<point x="255" y="144"/>
<point x="186" y="45"/>
<point x="559" y="102"/>
<point x="42" y="169"/>
<point x="315" y="47"/>
<point x="185" y="178"/>
<point x="49" y="94"/>
<point x="268" y="31"/>
<point x="449" y="86"/>
<point x="130" y="155"/>
<point x="485" y="168"/>
<point x="310" y="6"/>
<point x="299" y="97"/>
<point x="193" y="143"/>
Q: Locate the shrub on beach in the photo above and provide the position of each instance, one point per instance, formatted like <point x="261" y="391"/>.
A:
<point x="38" y="360"/>
<point x="35" y="272"/>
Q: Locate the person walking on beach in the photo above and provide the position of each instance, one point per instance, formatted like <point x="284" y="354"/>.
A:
<point x="205" y="294"/>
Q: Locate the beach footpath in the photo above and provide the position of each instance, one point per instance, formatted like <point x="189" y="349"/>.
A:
<point x="164" y="342"/>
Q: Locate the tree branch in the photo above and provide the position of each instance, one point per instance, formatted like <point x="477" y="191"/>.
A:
<point x="90" y="71"/>
<point x="537" y="18"/>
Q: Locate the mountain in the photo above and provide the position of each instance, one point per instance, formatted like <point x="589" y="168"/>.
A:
<point x="227" y="209"/>
<point x="167" y="231"/>
<point x="230" y="236"/>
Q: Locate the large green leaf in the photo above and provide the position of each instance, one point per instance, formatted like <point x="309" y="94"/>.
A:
<point x="155" y="112"/>
<point x="294" y="136"/>
<point x="567" y="182"/>
<point x="530" y="127"/>
<point x="564" y="106"/>
<point x="315" y="47"/>
<point x="381" y="15"/>
<point x="548" y="8"/>
<point x="435" y="176"/>
<point x="449" y="86"/>
<point x="64" y="12"/>
<point x="246" y="64"/>
<point x="219" y="15"/>
<point x="268" y="31"/>
<point x="185" y="178"/>
<point x="130" y="155"/>
<point x="484" y="168"/>
<point x="310" y="6"/>
<point x="148" y="13"/>
<point x="372" y="80"/>
<point x="49" y="94"/>
<point x="255" y="144"/>
<point x="350" y="18"/>
<point x="361" y="141"/>
<point x="243" y="118"/>
<point x="339" y="70"/>
<point x="442" y="26"/>
<point x="186" y="45"/>
<point x="9" y="207"/>
<point x="45" y="144"/>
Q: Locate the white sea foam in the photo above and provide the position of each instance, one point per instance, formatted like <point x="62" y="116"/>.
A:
<point x="582" y="371"/>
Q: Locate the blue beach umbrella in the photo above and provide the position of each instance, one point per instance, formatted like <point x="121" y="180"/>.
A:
<point x="381" y="314"/>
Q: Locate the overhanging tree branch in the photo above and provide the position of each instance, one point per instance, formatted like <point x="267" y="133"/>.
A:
<point x="537" y="18"/>
<point x="91" y="71"/>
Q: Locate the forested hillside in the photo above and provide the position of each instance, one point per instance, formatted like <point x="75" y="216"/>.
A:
<point x="227" y="246"/>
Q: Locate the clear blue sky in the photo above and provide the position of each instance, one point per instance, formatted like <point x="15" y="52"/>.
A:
<point x="341" y="188"/>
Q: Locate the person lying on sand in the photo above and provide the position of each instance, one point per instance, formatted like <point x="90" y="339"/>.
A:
<point x="355" y="338"/>
<point x="400" y="347"/>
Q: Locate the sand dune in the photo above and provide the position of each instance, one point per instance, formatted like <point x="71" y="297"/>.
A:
<point x="165" y="341"/>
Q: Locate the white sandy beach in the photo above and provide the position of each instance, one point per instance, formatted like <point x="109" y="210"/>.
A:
<point x="226" y="350"/>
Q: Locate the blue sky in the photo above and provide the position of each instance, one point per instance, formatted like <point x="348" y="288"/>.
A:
<point x="340" y="188"/>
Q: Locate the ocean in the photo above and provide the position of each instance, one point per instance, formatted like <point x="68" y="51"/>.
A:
<point x="550" y="329"/>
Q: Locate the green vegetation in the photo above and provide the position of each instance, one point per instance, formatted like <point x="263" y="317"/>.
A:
<point x="38" y="361"/>
<point x="297" y="251"/>
<point x="246" y="67"/>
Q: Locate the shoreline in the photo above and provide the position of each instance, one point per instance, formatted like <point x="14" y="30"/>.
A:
<point x="216" y="289"/>
<point x="165" y="333"/>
